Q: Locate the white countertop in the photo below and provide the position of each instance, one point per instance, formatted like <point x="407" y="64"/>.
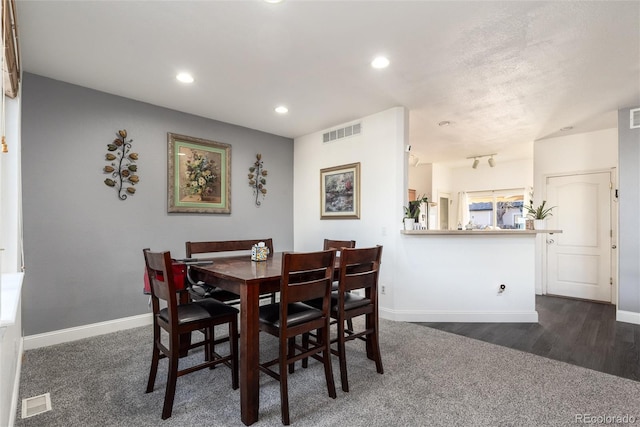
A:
<point x="477" y="232"/>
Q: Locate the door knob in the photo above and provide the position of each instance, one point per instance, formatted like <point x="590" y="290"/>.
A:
<point x="614" y="247"/>
<point x="550" y="241"/>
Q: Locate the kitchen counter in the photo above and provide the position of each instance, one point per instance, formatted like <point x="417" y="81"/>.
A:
<point x="466" y="276"/>
<point x="477" y="232"/>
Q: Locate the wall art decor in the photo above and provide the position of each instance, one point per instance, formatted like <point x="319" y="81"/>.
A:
<point x="258" y="179"/>
<point x="122" y="166"/>
<point x="340" y="192"/>
<point x="199" y="175"/>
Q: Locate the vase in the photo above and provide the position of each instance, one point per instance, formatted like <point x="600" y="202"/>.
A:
<point x="408" y="223"/>
<point x="539" y="224"/>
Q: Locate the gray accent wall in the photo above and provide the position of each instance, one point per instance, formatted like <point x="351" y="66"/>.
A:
<point x="629" y="240"/>
<point x="82" y="245"/>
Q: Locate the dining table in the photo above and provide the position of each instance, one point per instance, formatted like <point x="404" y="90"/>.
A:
<point x="249" y="279"/>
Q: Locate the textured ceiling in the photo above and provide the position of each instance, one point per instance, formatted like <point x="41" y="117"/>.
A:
<point x="503" y="73"/>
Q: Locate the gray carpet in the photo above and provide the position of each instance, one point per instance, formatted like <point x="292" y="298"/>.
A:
<point x="432" y="378"/>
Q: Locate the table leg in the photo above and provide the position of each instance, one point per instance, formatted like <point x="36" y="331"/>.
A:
<point x="249" y="353"/>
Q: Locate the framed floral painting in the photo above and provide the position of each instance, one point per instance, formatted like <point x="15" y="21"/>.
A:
<point x="340" y="192"/>
<point x="199" y="175"/>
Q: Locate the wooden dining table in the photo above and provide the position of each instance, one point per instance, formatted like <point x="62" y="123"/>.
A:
<point x="249" y="279"/>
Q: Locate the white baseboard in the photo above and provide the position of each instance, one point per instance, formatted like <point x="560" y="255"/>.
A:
<point x="72" y="334"/>
<point x="16" y="386"/>
<point x="460" y="316"/>
<point x="628" y="317"/>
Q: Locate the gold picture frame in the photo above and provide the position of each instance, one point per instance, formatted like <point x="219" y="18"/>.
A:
<point x="199" y="175"/>
<point x="340" y="192"/>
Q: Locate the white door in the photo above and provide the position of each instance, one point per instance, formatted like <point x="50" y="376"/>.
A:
<point x="579" y="258"/>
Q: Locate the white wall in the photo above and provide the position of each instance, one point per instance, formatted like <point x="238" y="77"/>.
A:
<point x="574" y="153"/>
<point x="380" y="151"/>
<point x="10" y="226"/>
<point x="420" y="179"/>
<point x="422" y="276"/>
<point x="456" y="278"/>
<point x="10" y="365"/>
<point x="506" y="174"/>
<point x="11" y="262"/>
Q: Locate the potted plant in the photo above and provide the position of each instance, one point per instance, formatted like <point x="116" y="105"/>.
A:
<point x="412" y="212"/>
<point x="539" y="213"/>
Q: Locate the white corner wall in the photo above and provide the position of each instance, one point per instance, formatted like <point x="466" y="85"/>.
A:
<point x="380" y="151"/>
<point x="421" y="282"/>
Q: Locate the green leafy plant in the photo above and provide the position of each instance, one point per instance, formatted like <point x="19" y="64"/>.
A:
<point x="413" y="210"/>
<point x="539" y="212"/>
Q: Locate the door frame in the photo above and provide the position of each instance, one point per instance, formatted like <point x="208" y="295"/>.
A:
<point x="613" y="203"/>
<point x="446" y="194"/>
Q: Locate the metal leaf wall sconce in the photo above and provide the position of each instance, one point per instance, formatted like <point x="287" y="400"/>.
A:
<point x="257" y="179"/>
<point x="123" y="166"/>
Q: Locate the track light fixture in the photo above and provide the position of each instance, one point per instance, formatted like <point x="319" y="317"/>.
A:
<point x="476" y="160"/>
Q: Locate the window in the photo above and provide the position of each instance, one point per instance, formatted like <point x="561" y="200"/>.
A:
<point x="496" y="209"/>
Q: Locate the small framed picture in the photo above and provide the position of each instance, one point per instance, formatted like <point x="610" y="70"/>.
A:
<point x="340" y="192"/>
<point x="199" y="175"/>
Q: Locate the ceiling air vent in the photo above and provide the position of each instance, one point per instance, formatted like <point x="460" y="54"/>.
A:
<point x="635" y="118"/>
<point x="345" y="132"/>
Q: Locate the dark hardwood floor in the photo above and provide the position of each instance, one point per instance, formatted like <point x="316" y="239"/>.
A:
<point x="578" y="332"/>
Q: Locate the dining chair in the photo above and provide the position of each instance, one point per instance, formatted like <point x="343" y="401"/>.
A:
<point x="338" y="245"/>
<point x="199" y="290"/>
<point x="179" y="319"/>
<point x="359" y="270"/>
<point x="305" y="276"/>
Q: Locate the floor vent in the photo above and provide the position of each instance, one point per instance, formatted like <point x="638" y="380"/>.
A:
<point x="36" y="405"/>
<point x="345" y="132"/>
<point x="635" y="118"/>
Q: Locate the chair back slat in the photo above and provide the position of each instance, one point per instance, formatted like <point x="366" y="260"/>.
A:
<point x="306" y="275"/>
<point x="338" y="245"/>
<point x="364" y="280"/>
<point x="359" y="269"/>
<point x="193" y="248"/>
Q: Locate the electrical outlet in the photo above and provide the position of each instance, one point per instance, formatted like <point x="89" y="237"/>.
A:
<point x="383" y="290"/>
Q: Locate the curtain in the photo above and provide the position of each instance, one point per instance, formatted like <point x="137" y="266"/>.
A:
<point x="463" y="209"/>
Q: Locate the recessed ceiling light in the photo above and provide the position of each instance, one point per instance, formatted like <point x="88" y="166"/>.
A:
<point x="273" y="1"/>
<point x="185" y="77"/>
<point x="380" y="62"/>
<point x="282" y="109"/>
<point x="444" y="123"/>
<point x="566" y="128"/>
